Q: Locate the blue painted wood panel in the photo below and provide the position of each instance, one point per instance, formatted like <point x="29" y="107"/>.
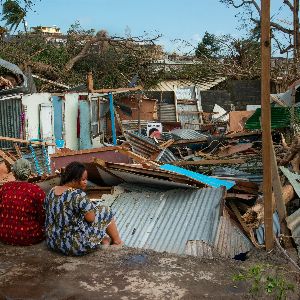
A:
<point x="85" y="141"/>
<point x="58" y="117"/>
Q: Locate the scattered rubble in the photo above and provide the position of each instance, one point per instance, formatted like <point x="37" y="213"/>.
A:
<point x="175" y="189"/>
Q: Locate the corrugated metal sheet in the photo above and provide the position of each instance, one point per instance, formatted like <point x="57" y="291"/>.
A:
<point x="187" y="134"/>
<point x="166" y="221"/>
<point x="143" y="179"/>
<point x="141" y="144"/>
<point x="200" y="249"/>
<point x="292" y="178"/>
<point x="10" y="119"/>
<point x="189" y="116"/>
<point x="208" y="180"/>
<point x="280" y="118"/>
<point x="146" y="147"/>
<point x="293" y="223"/>
<point x="134" y="124"/>
<point x="260" y="231"/>
<point x="167" y="112"/>
<point x="230" y="172"/>
<point x="230" y="241"/>
<point x="166" y="156"/>
<point x="179" y="221"/>
<point x="173" y="85"/>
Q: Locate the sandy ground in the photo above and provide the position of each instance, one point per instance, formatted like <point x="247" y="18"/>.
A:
<point x="37" y="273"/>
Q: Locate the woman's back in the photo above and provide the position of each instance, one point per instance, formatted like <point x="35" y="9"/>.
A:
<point x="21" y="213"/>
<point x="65" y="223"/>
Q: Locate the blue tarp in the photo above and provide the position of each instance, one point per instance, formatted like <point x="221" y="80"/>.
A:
<point x="208" y="180"/>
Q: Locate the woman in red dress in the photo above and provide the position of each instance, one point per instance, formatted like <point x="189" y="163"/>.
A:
<point x="22" y="215"/>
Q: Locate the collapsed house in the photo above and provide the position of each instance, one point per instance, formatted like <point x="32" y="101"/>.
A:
<point x="193" y="187"/>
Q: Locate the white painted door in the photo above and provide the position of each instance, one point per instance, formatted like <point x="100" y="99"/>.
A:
<point x="46" y="122"/>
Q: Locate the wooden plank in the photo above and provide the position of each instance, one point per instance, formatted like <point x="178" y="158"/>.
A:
<point x="193" y="141"/>
<point x="105" y="91"/>
<point x="8" y="161"/>
<point x="19" y="153"/>
<point x="166" y="144"/>
<point x="248" y="230"/>
<point x="15" y="140"/>
<point x="209" y="162"/>
<point x="138" y="158"/>
<point x="277" y="188"/>
<point x="189" y="112"/>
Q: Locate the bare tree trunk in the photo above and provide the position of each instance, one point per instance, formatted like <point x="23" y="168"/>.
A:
<point x="296" y="36"/>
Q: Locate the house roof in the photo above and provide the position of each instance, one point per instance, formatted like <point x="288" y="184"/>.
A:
<point x="173" y="85"/>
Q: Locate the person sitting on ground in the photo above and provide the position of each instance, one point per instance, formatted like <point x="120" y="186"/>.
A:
<point x="76" y="225"/>
<point x="22" y="215"/>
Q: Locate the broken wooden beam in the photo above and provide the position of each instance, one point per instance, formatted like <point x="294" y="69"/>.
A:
<point x="15" y="140"/>
<point x="8" y="160"/>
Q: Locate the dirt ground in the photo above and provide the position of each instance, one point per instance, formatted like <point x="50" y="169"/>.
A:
<point x="37" y="273"/>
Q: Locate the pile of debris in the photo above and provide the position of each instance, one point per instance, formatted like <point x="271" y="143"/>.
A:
<point x="181" y="190"/>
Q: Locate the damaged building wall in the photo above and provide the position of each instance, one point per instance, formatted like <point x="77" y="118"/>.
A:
<point x="239" y="93"/>
<point x="11" y="119"/>
<point x="71" y="115"/>
<point x="32" y="113"/>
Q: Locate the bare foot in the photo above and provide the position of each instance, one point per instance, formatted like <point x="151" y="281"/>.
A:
<point x="117" y="245"/>
<point x="105" y="243"/>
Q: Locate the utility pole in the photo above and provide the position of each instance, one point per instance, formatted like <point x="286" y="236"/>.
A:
<point x="266" y="122"/>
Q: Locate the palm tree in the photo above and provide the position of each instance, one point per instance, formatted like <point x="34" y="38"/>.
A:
<point x="13" y="14"/>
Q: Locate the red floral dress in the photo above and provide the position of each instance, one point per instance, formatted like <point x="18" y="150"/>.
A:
<point x="22" y="216"/>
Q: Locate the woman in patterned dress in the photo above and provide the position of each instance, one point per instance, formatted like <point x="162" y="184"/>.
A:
<point x="22" y="215"/>
<point x="74" y="224"/>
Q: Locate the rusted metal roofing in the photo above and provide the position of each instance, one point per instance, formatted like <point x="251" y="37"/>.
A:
<point x="167" y="112"/>
<point x="186" y="134"/>
<point x="293" y="223"/>
<point x="146" y="147"/>
<point x="235" y="173"/>
<point x="178" y="221"/>
<point x="172" y="85"/>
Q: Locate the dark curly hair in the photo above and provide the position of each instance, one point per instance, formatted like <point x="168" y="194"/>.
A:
<point x="72" y="172"/>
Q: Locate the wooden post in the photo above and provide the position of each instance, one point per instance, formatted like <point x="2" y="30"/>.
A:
<point x="139" y="113"/>
<point x="112" y="118"/>
<point x="266" y="122"/>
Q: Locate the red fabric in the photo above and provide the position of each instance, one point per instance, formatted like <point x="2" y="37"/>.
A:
<point x="22" y="215"/>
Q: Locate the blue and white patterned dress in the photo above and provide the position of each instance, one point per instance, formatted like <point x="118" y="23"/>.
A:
<point x="67" y="230"/>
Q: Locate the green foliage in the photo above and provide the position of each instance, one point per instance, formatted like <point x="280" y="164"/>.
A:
<point x="13" y="14"/>
<point x="262" y="282"/>
<point x="209" y="47"/>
